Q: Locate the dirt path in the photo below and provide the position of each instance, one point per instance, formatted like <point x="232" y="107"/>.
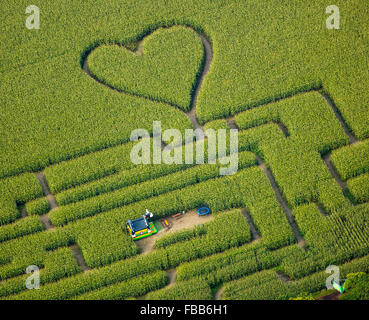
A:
<point x="283" y="129"/>
<point x="285" y="207"/>
<point x="79" y="257"/>
<point x="332" y="171"/>
<point x="50" y="199"/>
<point x="254" y="233"/>
<point x="218" y="294"/>
<point x="147" y="244"/>
<point x="327" y="160"/>
<point x="46" y="190"/>
<point x="24" y="212"/>
<point x="352" y="140"/>
<point x="232" y="124"/>
<point x="47" y="223"/>
<point x="321" y="210"/>
<point x="188" y="220"/>
<point x="336" y="112"/>
<point x="208" y="51"/>
<point x="172" y="275"/>
<point x="332" y="296"/>
<point x="283" y="277"/>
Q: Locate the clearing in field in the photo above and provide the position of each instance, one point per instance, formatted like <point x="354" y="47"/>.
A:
<point x="187" y="221"/>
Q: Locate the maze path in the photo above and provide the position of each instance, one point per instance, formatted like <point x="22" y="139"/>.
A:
<point x="281" y="201"/>
<point x="346" y="130"/>
<point x="206" y="67"/>
<point x="23" y="212"/>
<point x="50" y="199"/>
<point x="336" y="112"/>
<point x="255" y="234"/>
<point x="352" y="140"/>
<point x="232" y="124"/>
<point x="343" y="185"/>
<point x="79" y="257"/>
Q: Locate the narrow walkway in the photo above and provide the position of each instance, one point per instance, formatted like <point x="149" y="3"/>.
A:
<point x="283" y="204"/>
<point x="47" y="223"/>
<point x="283" y="129"/>
<point x="336" y="112"/>
<point x="79" y="257"/>
<point x="328" y="162"/>
<point x="321" y="210"/>
<point x="332" y="296"/>
<point x="352" y="140"/>
<point x="286" y="209"/>
<point x="172" y="275"/>
<point x="46" y="190"/>
<point x="254" y="233"/>
<point x="23" y="212"/>
<point x="208" y="51"/>
<point x="283" y="277"/>
<point x="218" y="294"/>
<point x="50" y="199"/>
<point x="232" y="124"/>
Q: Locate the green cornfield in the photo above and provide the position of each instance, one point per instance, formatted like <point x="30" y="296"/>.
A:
<point x="72" y="92"/>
